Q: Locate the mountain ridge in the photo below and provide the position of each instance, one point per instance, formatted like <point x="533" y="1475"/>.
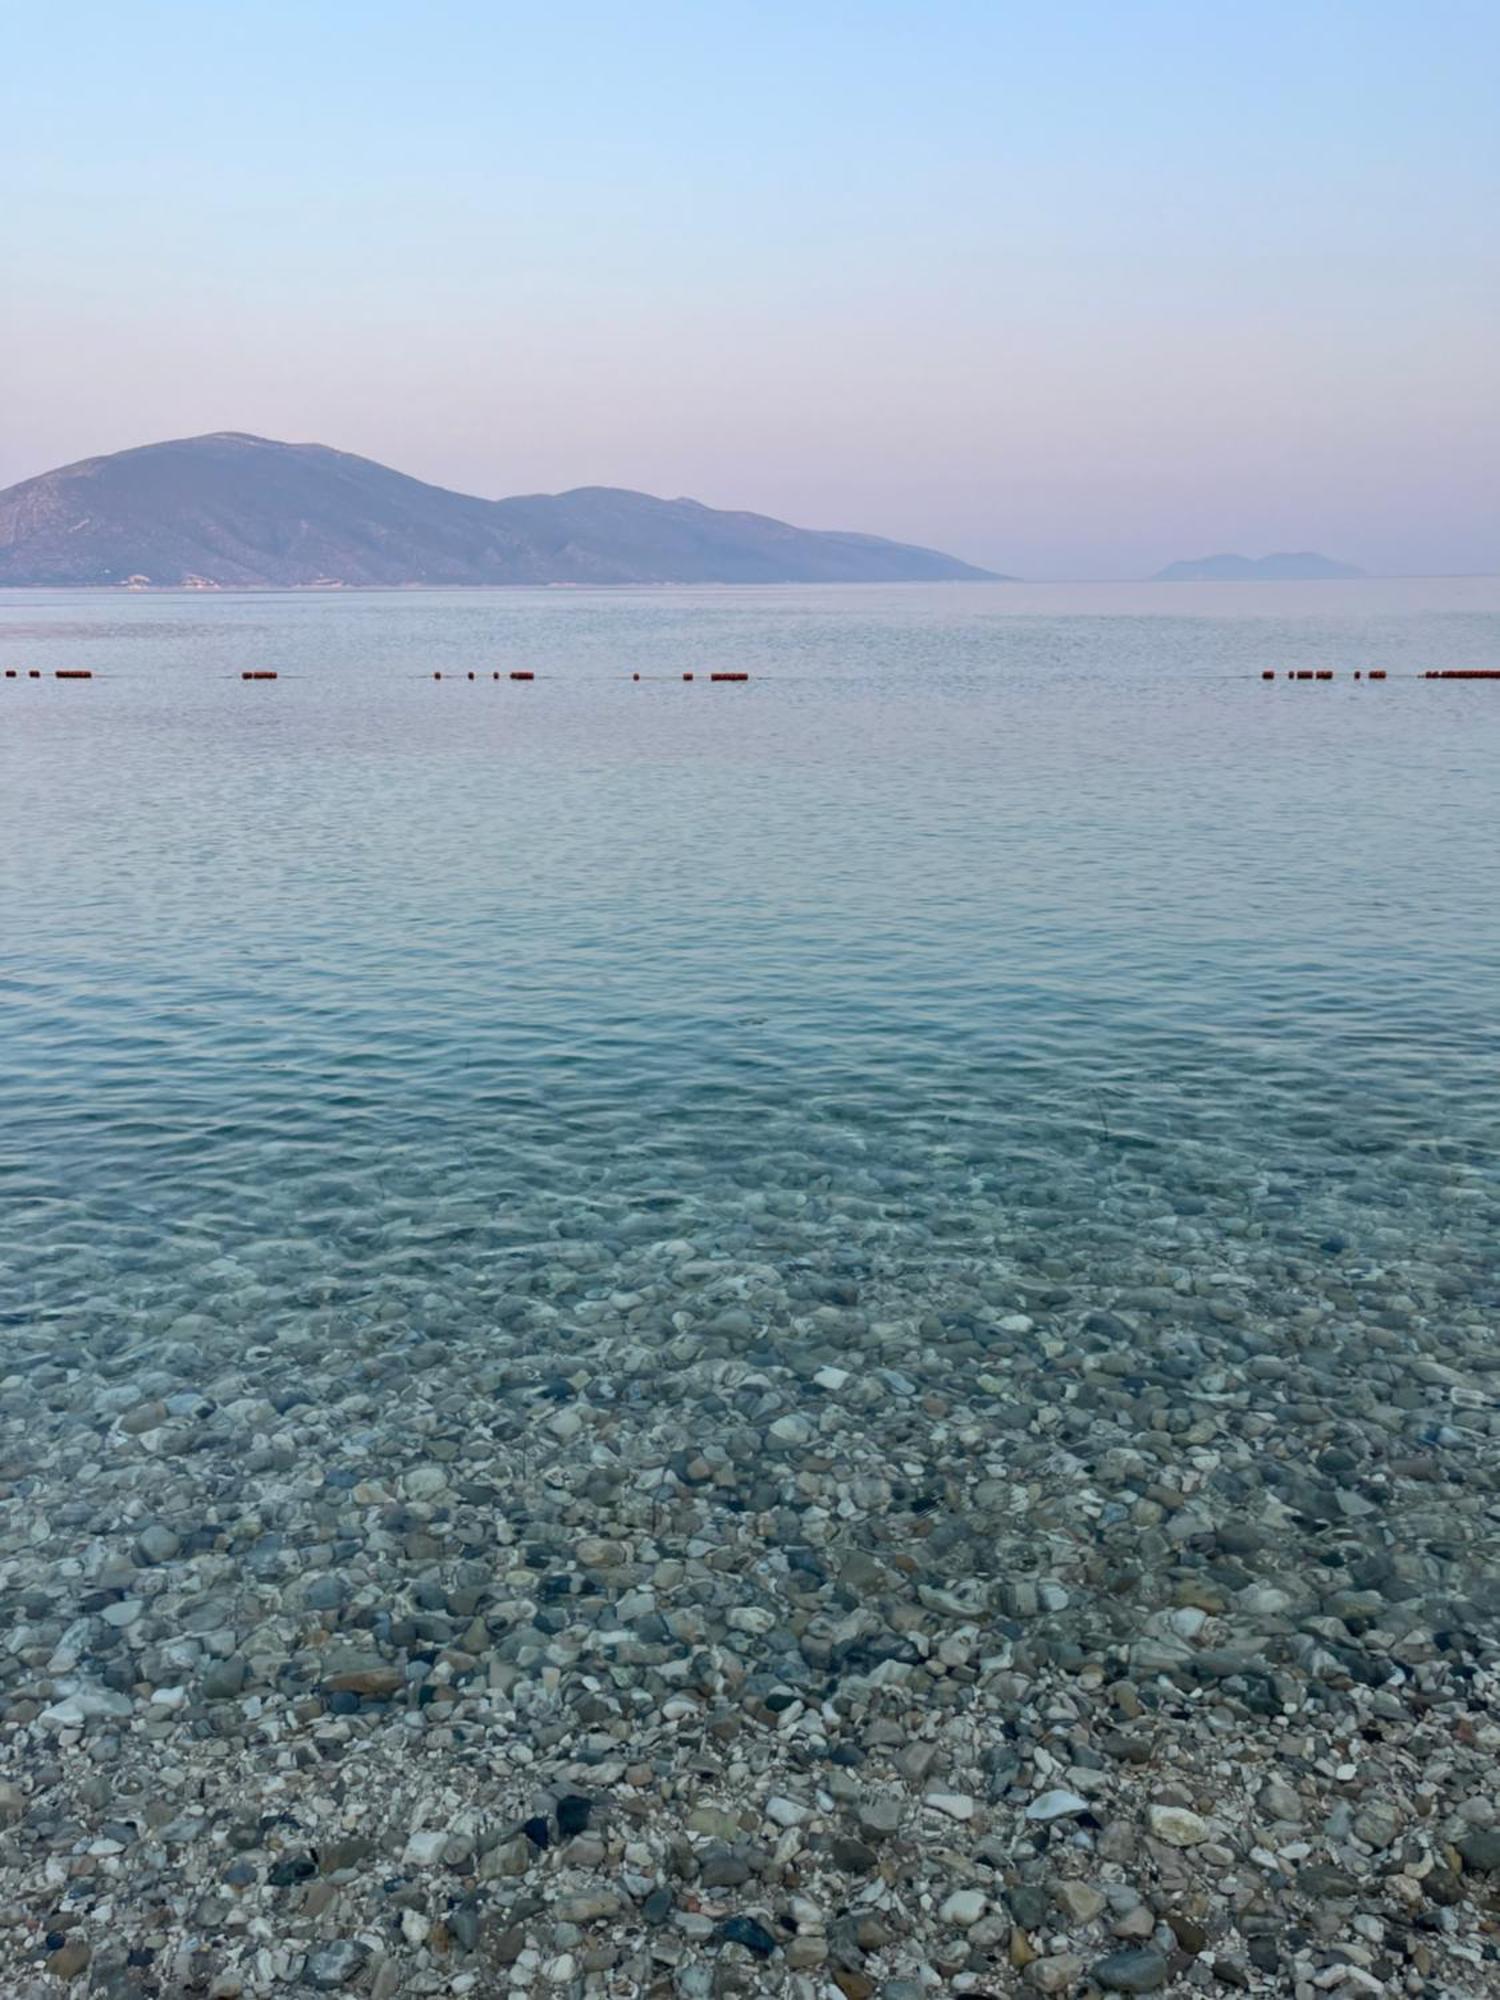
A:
<point x="229" y="509"/>
<point x="1302" y="566"/>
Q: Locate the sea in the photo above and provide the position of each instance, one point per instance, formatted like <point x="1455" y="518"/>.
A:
<point x="995" y="894"/>
<point x="911" y="1234"/>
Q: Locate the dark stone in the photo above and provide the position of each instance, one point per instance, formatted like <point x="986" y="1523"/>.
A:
<point x="294" y="1868"/>
<point x="722" y="1868"/>
<point x="1443" y="1887"/>
<point x="1481" y="1851"/>
<point x="225" y="1679"/>
<point x="853" y="1856"/>
<point x="1263" y="1954"/>
<point x="747" y="1931"/>
<point x="573" y="1814"/>
<point x="1139" y="1969"/>
<point x="1029" y="1905"/>
<point x="537" y="1831"/>
<point x="657" y="1906"/>
<point x="1327" y="1883"/>
<point x="1190" y="1935"/>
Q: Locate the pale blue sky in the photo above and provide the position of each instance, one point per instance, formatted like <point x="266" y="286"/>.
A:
<point x="1072" y="289"/>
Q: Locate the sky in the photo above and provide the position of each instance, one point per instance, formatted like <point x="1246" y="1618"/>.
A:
<point x="1067" y="289"/>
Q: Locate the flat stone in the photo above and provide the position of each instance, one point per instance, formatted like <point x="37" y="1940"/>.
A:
<point x="1326" y="1883"/>
<point x="954" y="1804"/>
<point x="1177" y="1826"/>
<point x="1081" y="1901"/>
<point x="378" y="1680"/>
<point x="425" y="1846"/>
<point x="1058" y="1804"/>
<point x="1138" y="1969"/>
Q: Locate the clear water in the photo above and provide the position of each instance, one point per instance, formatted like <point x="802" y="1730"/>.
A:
<point x="1006" y="930"/>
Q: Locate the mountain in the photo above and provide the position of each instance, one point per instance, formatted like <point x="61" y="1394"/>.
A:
<point x="1305" y="567"/>
<point x="243" y="511"/>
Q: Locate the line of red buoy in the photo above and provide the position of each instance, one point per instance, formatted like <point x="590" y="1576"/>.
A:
<point x="527" y="674"/>
<point x="1325" y="674"/>
<point x="1462" y="674"/>
<point x="259" y="674"/>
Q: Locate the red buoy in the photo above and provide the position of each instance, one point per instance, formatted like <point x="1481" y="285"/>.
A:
<point x="495" y="676"/>
<point x="525" y="674"/>
<point x="33" y="673"/>
<point x="729" y="677"/>
<point x="687" y="677"/>
<point x="437" y="677"/>
<point x="10" y="673"/>
<point x="1268" y="674"/>
<point x="259" y="674"/>
<point x="1325" y="673"/>
<point x="635" y="677"/>
<point x="75" y="673"/>
<point x="471" y="676"/>
<point x="1377" y="673"/>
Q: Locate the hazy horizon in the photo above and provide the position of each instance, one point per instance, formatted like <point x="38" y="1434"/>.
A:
<point x="1069" y="297"/>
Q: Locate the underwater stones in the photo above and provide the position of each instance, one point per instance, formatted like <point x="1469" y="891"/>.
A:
<point x="749" y="1932"/>
<point x="329" y="1967"/>
<point x="953" y="1805"/>
<point x="157" y="1544"/>
<point x="1058" y="1972"/>
<point x="1079" y="1901"/>
<point x="1056" y="1578"/>
<point x="1177" y="1826"/>
<point x="1481" y="1851"/>
<point x="1135" y="1969"/>
<point x="373" y="1678"/>
<point x="70" y="1960"/>
<point x="878" y="1819"/>
<point x="964" y="1908"/>
<point x="792" y="1431"/>
<point x="1059" y="1803"/>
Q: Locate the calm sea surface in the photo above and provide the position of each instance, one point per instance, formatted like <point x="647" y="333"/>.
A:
<point x="974" y="902"/>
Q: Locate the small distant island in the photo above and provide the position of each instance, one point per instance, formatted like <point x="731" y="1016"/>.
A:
<point x="1304" y="567"/>
<point x="235" y="512"/>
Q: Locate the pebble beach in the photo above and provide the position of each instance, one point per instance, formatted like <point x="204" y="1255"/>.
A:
<point x="712" y="1627"/>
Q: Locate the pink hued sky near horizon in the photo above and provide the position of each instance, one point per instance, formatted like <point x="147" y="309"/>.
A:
<point x="1067" y="294"/>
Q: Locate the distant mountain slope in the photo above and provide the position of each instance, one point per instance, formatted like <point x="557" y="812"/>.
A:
<point x="244" y="511"/>
<point x="1305" y="567"/>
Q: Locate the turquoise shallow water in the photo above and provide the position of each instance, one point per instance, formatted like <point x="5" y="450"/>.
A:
<point x="745" y="1262"/>
<point x="972" y="901"/>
